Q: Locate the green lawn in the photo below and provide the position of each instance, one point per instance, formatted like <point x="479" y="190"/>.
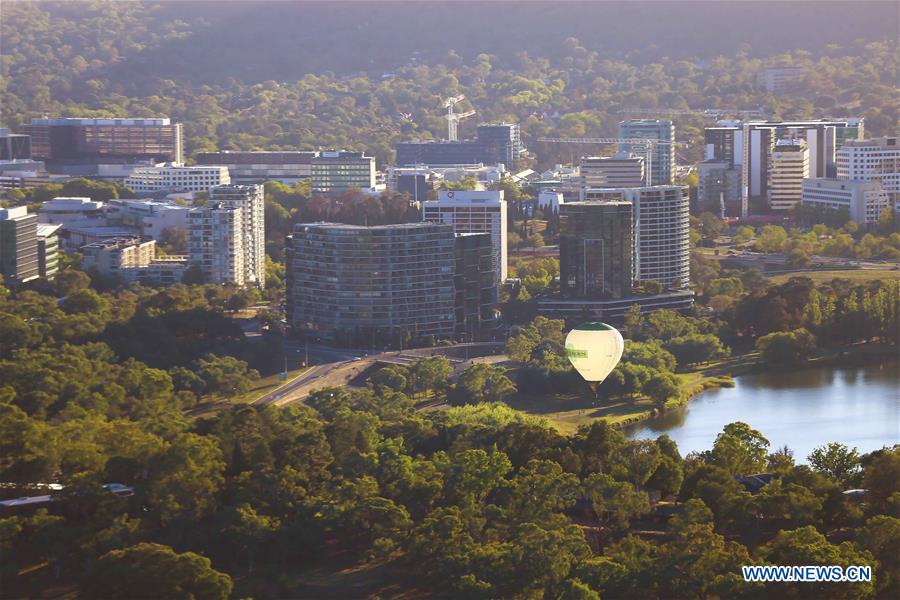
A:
<point x="857" y="275"/>
<point x="264" y="386"/>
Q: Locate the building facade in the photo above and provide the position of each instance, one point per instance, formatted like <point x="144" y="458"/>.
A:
<point x="595" y="249"/>
<point x="875" y="159"/>
<point x="474" y="212"/>
<point x="14" y="146"/>
<point x="48" y="250"/>
<point x="439" y="153"/>
<point x="176" y="178"/>
<point x="500" y="143"/>
<point x="474" y="285"/>
<point x="149" y="217"/>
<point x="259" y="167"/>
<point x="110" y="256"/>
<point x="85" y="147"/>
<point x="661" y="224"/>
<point x="216" y="243"/>
<point x="338" y="171"/>
<point x="662" y="164"/>
<point x="864" y="201"/>
<point x="18" y="246"/>
<point x="621" y="170"/>
<point x="719" y="188"/>
<point x="67" y="211"/>
<point x="788" y="168"/>
<point x="250" y="199"/>
<point x="383" y="282"/>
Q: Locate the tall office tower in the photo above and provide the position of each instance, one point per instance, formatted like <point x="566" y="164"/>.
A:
<point x="104" y="146"/>
<point x="259" y="167"/>
<point x="864" y="201"/>
<point x="661" y="231"/>
<point x="500" y="143"/>
<point x="176" y="178"/>
<point x="18" y="246"/>
<point x="621" y="170"/>
<point x="216" y="243"/>
<point x="662" y="164"/>
<point x="876" y="159"/>
<point x="725" y="142"/>
<point x="474" y="284"/>
<point x="381" y="282"/>
<point x="473" y="212"/>
<point x="48" y="250"/>
<point x="337" y="171"/>
<point x="823" y="138"/>
<point x="719" y="188"/>
<point x="788" y="168"/>
<point x="595" y="249"/>
<point x="250" y="199"/>
<point x="14" y="146"/>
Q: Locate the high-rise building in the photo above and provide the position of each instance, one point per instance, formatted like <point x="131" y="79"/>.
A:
<point x="864" y="201"/>
<point x="337" y="171"/>
<point x="104" y="146"/>
<point x="662" y="163"/>
<point x="823" y="138"/>
<point x="14" y="146"/>
<point x="876" y="159"/>
<point x="48" y="250"/>
<point x="474" y="284"/>
<point x="788" y="168"/>
<point x="661" y="231"/>
<point x="250" y="199"/>
<point x="259" y="167"/>
<point x="474" y="212"/>
<point x="719" y="188"/>
<point x="725" y="143"/>
<point x="621" y="170"/>
<point x="176" y="178"/>
<point x="595" y="249"/>
<point x="379" y="283"/>
<point x="216" y="243"/>
<point x="501" y="143"/>
<point x="18" y="246"/>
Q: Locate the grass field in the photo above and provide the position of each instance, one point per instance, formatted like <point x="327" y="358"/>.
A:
<point x="851" y="274"/>
<point x="264" y="386"/>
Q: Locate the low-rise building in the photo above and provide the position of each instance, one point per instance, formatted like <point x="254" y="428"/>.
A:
<point x="719" y="188"/>
<point x="110" y="256"/>
<point x="71" y="210"/>
<point x="149" y="217"/>
<point x="864" y="201"/>
<point x="338" y="171"/>
<point x="172" y="177"/>
<point x="618" y="171"/>
<point x="259" y="167"/>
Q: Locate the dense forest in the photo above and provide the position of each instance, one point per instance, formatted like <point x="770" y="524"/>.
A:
<point x="476" y="500"/>
<point x="241" y="77"/>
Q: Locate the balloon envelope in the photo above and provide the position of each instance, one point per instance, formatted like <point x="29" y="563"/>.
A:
<point x="594" y="349"/>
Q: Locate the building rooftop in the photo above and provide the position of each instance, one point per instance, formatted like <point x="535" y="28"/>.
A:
<point x="45" y="230"/>
<point x="348" y="227"/>
<point x="66" y="204"/>
<point x="117" y="121"/>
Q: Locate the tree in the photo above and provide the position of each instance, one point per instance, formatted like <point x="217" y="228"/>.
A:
<point x="881" y="478"/>
<point x="155" y="571"/>
<point x="739" y="449"/>
<point x="772" y="238"/>
<point x="783" y="348"/>
<point x="662" y="387"/>
<point x="481" y="383"/>
<point x="615" y="502"/>
<point x="835" y="461"/>
<point x="70" y="281"/>
<point x="696" y="348"/>
<point x="225" y="375"/>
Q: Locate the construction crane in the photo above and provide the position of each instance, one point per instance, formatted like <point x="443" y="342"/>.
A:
<point x="712" y="113"/>
<point x="647" y="144"/>
<point x="453" y="118"/>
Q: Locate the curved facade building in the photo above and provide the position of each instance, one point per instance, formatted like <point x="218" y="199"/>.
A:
<point x="385" y="280"/>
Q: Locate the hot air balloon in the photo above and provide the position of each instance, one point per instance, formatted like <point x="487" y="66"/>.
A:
<point x="594" y="349"/>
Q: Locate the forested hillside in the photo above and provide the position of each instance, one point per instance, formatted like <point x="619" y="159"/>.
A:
<point x="286" y="75"/>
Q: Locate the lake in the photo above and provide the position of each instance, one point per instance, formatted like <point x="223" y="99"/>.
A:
<point x="804" y="408"/>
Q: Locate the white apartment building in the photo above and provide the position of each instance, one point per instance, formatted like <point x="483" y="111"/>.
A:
<point x="864" y="200"/>
<point x="661" y="231"/>
<point x="70" y="210"/>
<point x="876" y="159"/>
<point x="619" y="171"/>
<point x="216" y="243"/>
<point x="176" y="178"/>
<point x="788" y="168"/>
<point x="110" y="256"/>
<point x="474" y="212"/>
<point x="250" y="199"/>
